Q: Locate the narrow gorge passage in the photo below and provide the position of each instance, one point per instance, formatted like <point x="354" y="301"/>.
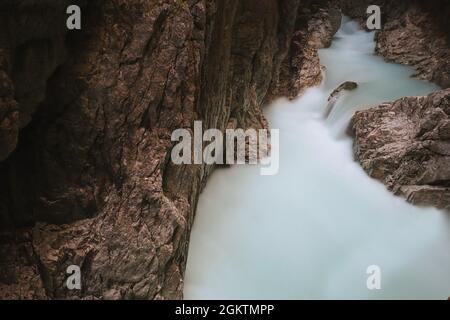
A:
<point x="311" y="231"/>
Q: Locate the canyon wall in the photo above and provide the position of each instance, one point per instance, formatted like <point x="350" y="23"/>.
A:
<point x="86" y="123"/>
<point x="316" y="24"/>
<point x="414" y="33"/>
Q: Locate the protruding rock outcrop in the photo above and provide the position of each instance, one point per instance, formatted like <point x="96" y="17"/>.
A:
<point x="316" y="24"/>
<point x="406" y="145"/>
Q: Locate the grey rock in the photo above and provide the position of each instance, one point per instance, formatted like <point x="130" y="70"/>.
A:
<point x="337" y="93"/>
<point x="405" y="144"/>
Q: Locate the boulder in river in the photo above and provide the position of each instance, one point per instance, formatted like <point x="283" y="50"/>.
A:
<point x="337" y="93"/>
<point x="406" y="145"/>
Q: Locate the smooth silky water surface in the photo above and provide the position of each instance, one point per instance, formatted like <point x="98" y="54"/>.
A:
<point x="312" y="230"/>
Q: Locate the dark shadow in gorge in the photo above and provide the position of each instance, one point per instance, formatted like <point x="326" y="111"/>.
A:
<point x="49" y="159"/>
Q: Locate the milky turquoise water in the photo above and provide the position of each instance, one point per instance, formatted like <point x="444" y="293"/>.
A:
<point x="311" y="231"/>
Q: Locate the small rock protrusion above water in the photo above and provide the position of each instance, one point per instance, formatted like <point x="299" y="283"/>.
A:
<point x="336" y="94"/>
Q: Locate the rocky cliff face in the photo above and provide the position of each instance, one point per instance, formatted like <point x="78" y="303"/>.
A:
<point x="316" y="24"/>
<point x="405" y="144"/>
<point x="414" y="33"/>
<point x="90" y="182"/>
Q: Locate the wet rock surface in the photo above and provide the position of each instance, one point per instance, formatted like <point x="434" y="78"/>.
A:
<point x="337" y="93"/>
<point x="406" y="145"/>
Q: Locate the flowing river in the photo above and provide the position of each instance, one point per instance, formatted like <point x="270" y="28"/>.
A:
<point x="312" y="230"/>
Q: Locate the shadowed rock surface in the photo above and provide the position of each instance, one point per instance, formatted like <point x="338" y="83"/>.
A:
<point x="91" y="182"/>
<point x="32" y="46"/>
<point x="317" y="22"/>
<point x="406" y="145"/>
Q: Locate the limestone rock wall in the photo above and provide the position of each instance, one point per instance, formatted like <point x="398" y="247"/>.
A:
<point x="406" y="145"/>
<point x="90" y="182"/>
